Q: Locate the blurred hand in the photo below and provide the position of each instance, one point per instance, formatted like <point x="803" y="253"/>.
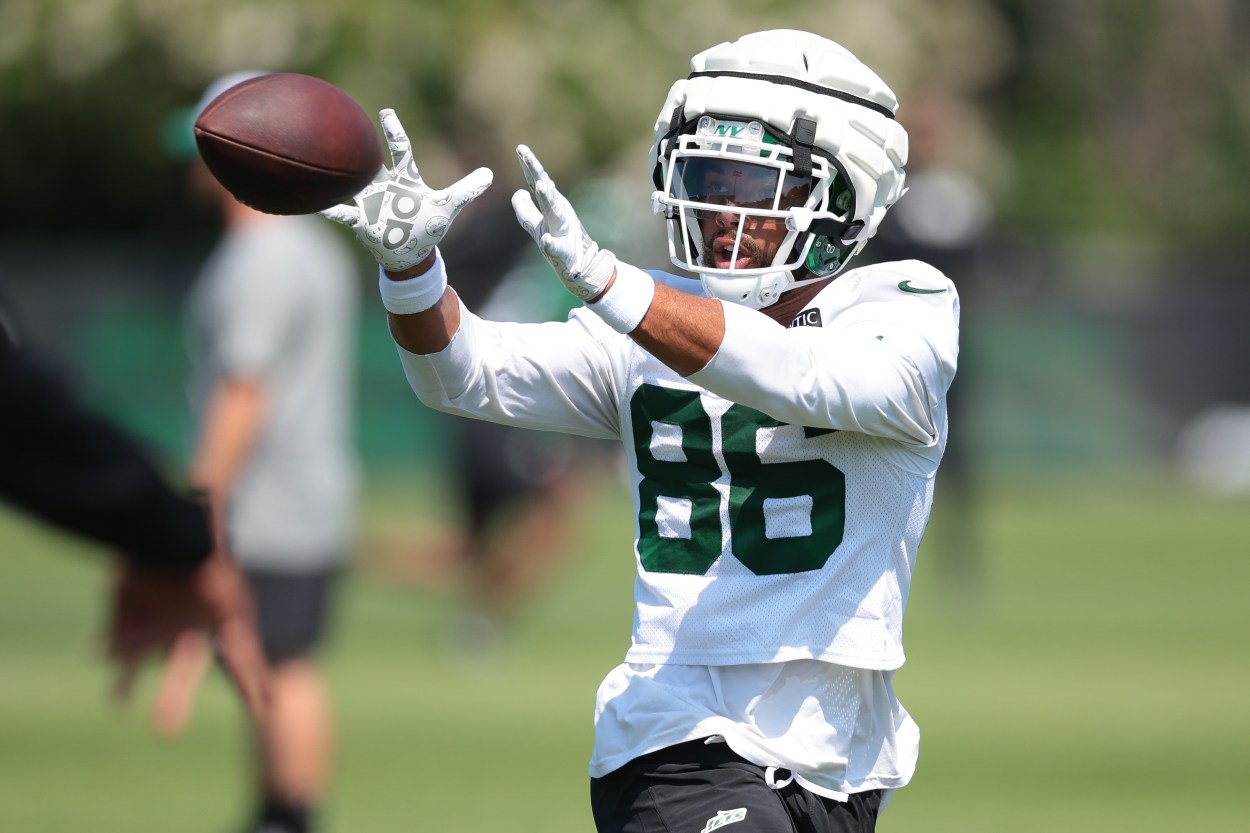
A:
<point x="184" y="617"/>
<point x="583" y="268"/>
<point x="399" y="218"/>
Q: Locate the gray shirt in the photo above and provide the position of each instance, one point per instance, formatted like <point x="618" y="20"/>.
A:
<point x="277" y="302"/>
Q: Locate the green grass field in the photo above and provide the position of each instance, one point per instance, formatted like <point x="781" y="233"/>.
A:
<point x="1095" y="678"/>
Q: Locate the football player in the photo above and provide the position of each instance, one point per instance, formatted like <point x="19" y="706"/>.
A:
<point x="783" y="420"/>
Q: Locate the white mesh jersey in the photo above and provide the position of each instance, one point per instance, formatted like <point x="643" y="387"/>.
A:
<point x="780" y="495"/>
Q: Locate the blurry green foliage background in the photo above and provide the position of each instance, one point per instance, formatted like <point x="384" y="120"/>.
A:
<point x="1127" y="115"/>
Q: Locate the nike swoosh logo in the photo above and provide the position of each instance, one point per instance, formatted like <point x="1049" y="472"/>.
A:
<point x="907" y="287"/>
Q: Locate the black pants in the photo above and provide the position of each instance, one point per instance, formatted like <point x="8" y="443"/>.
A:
<point x="696" y="787"/>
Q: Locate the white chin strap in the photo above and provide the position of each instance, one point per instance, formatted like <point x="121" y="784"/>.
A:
<point x="753" y="291"/>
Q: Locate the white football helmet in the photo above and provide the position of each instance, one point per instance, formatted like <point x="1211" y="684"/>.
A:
<point x="783" y="130"/>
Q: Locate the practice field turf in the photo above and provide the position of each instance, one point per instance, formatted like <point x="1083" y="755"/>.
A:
<point x="1093" y="675"/>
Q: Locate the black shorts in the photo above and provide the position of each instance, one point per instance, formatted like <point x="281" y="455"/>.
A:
<point x="292" y="610"/>
<point x="697" y="787"/>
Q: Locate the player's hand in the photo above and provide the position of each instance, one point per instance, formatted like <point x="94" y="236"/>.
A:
<point x="583" y="268"/>
<point x="399" y="218"/>
<point x="184" y="617"/>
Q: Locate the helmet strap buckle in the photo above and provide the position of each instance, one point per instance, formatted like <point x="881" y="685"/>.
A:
<point x="803" y="139"/>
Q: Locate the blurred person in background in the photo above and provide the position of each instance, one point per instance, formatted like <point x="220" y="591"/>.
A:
<point x="523" y="490"/>
<point x="520" y="491"/>
<point x="271" y="331"/>
<point x="177" y="588"/>
<point x="782" y="420"/>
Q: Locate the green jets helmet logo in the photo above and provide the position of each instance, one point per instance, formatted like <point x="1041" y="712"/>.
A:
<point x="710" y="127"/>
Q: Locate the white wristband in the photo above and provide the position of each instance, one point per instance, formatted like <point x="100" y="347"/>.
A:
<point x="626" y="303"/>
<point x="414" y="294"/>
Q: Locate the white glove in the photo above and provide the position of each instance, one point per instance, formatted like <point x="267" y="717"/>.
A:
<point x="582" y="266"/>
<point x="399" y="218"/>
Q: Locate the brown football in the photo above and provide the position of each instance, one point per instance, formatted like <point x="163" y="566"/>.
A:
<point x="287" y="143"/>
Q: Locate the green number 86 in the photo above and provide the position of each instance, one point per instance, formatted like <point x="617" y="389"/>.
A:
<point x="753" y="482"/>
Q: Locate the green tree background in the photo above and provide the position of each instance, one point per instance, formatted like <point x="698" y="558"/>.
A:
<point x="1122" y="115"/>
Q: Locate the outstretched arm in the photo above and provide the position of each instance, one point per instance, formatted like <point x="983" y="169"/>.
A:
<point x="683" y="331"/>
<point x="69" y="467"/>
<point x="77" y="471"/>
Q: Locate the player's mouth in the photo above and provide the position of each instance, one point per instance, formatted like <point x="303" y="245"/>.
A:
<point x="722" y="249"/>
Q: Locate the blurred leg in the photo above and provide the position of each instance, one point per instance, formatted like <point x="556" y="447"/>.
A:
<point x="521" y="557"/>
<point x="297" y="747"/>
<point x="294" y="752"/>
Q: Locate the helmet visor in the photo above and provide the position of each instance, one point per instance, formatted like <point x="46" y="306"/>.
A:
<point x="738" y="182"/>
